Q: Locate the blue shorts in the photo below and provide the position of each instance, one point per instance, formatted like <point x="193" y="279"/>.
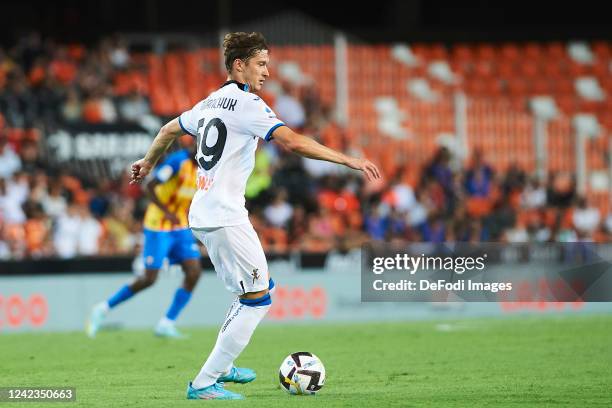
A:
<point x="176" y="245"/>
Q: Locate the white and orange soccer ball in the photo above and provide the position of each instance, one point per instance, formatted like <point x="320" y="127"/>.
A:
<point x="302" y="373"/>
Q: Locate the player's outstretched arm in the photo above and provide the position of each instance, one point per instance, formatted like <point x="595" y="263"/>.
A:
<point x="307" y="147"/>
<point x="166" y="135"/>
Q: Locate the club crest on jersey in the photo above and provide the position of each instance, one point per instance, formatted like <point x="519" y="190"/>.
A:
<point x="255" y="274"/>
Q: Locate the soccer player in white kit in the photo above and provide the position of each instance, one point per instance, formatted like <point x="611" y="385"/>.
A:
<point x="228" y="125"/>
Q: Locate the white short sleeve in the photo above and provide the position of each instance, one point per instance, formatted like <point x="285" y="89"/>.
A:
<point x="259" y="119"/>
<point x="188" y="122"/>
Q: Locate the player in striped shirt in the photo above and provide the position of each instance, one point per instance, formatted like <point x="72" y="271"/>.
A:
<point x="166" y="235"/>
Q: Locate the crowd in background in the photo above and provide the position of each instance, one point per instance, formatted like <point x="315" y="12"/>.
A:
<point x="295" y="204"/>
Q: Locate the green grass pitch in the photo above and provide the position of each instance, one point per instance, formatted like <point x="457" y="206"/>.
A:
<point x="515" y="362"/>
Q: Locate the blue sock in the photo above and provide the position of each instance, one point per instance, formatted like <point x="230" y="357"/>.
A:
<point x="121" y="295"/>
<point x="181" y="298"/>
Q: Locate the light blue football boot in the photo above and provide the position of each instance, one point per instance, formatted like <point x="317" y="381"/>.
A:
<point x="238" y="375"/>
<point x="168" y="330"/>
<point x="96" y="317"/>
<point x="212" y="392"/>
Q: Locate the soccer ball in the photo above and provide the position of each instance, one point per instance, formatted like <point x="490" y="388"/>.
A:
<point x="302" y="373"/>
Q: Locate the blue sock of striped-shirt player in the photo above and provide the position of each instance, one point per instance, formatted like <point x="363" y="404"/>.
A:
<point x="179" y="301"/>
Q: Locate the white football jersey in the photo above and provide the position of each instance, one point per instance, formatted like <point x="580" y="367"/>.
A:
<point x="227" y="125"/>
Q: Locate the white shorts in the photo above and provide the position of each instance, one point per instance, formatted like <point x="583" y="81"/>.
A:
<point x="237" y="256"/>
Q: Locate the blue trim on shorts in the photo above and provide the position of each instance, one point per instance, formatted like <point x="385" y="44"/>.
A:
<point x="271" y="284"/>
<point x="264" y="300"/>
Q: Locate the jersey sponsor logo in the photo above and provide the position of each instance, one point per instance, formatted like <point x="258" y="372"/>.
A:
<point x="204" y="182"/>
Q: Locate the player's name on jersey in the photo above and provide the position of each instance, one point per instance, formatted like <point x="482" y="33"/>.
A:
<point x="220" y="103"/>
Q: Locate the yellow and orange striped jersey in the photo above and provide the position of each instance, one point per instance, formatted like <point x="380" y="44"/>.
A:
<point x="177" y="177"/>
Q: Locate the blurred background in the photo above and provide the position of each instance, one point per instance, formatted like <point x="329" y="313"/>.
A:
<point x="490" y="121"/>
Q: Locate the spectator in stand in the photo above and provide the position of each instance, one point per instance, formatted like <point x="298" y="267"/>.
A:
<point x="37" y="231"/>
<point x="30" y="157"/>
<point x="538" y="231"/>
<point x="62" y="67"/>
<point x="479" y="177"/>
<point x="434" y="230"/>
<point x="376" y="222"/>
<point x="48" y="97"/>
<point x="16" y="191"/>
<point x="39" y="186"/>
<point x="99" y="108"/>
<point x="289" y="108"/>
<point x="585" y="219"/>
<point x="291" y="175"/>
<point x="398" y="228"/>
<point x="120" y="224"/>
<point x="90" y="232"/>
<point x="298" y="225"/>
<point x="432" y="195"/>
<point x="561" y="190"/>
<point x="72" y="108"/>
<point x="67" y="233"/>
<point x="118" y="53"/>
<point x="418" y="213"/>
<point x="320" y="235"/>
<point x="534" y="195"/>
<point x="55" y="203"/>
<point x="439" y="170"/>
<point x="11" y="163"/>
<point x="17" y="102"/>
<point x="517" y="234"/>
<point x="313" y="107"/>
<point x="279" y="211"/>
<point x="134" y="107"/>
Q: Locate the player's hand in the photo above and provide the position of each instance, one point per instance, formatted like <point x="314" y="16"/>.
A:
<point x="140" y="170"/>
<point x="369" y="168"/>
<point x="172" y="218"/>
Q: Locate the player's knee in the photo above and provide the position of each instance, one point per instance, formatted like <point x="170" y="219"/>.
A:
<point x="149" y="279"/>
